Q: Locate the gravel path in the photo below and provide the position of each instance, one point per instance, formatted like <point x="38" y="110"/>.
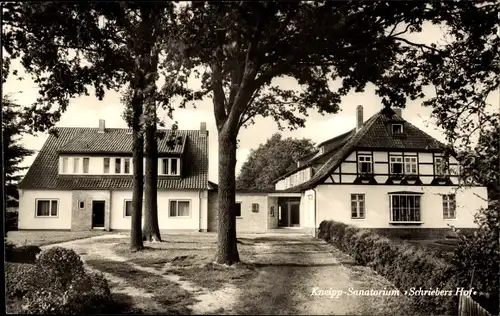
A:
<point x="301" y="275"/>
<point x="297" y="275"/>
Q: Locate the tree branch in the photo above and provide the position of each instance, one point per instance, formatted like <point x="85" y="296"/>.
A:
<point x="421" y="46"/>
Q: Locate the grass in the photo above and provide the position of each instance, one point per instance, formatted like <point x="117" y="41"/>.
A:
<point x="215" y="277"/>
<point x="42" y="238"/>
<point x="170" y="296"/>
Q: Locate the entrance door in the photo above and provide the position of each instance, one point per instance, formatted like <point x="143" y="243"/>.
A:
<point x="294" y="208"/>
<point x="289" y="213"/>
<point x="98" y="214"/>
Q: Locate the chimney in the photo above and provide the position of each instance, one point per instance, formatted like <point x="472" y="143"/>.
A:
<point x="203" y="129"/>
<point x="398" y="111"/>
<point x="102" y="126"/>
<point x="359" y="117"/>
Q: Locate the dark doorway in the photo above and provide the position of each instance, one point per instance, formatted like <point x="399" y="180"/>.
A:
<point x="98" y="214"/>
<point x="289" y="212"/>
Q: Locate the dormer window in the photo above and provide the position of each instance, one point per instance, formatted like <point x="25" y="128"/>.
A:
<point x="321" y="150"/>
<point x="397" y="129"/>
<point x="170" y="167"/>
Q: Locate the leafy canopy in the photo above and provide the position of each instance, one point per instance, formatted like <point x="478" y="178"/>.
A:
<point x="14" y="151"/>
<point x="271" y="160"/>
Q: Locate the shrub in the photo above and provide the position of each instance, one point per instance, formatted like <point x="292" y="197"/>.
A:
<point x="56" y="284"/>
<point x="477" y="257"/>
<point x="65" y="263"/>
<point x="404" y="265"/>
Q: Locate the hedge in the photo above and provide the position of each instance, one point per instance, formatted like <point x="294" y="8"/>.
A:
<point x="56" y="283"/>
<point x="402" y="264"/>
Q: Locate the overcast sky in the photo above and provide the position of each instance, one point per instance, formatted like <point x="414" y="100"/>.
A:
<point x="87" y="110"/>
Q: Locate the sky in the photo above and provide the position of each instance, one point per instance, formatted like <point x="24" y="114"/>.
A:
<point x="85" y="111"/>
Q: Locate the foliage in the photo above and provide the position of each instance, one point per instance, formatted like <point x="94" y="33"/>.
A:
<point x="65" y="263"/>
<point x="477" y="256"/>
<point x="45" y="288"/>
<point x="271" y="160"/>
<point x="241" y="47"/>
<point x="71" y="48"/>
<point x="14" y="152"/>
<point x="403" y="265"/>
<point x="21" y="254"/>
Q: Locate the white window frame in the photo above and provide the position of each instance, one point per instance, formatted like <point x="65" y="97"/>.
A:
<point x="394" y="125"/>
<point x="360" y="200"/>
<point x="50" y="208"/>
<point x="83" y="165"/>
<point x="76" y="165"/>
<point x="409" y="165"/>
<point x="177" y="208"/>
<point x="449" y="206"/>
<point x="120" y="165"/>
<point x="80" y="203"/>
<point x="64" y="165"/>
<point x="168" y="161"/>
<point x="417" y="217"/>
<point x="396" y="160"/>
<point x="124" y="162"/>
<point x="104" y="165"/>
<point x="125" y="208"/>
<point x="365" y="159"/>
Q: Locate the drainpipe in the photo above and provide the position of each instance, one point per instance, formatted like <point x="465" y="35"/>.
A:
<point x="315" y="215"/>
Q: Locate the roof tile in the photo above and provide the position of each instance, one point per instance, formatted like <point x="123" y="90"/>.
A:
<point x="43" y="173"/>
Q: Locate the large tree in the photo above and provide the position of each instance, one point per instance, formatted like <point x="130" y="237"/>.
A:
<point x="271" y="160"/>
<point x="70" y="47"/>
<point x="13" y="150"/>
<point x="242" y="46"/>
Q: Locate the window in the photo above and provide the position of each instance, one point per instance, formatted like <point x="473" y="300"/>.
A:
<point x="255" y="208"/>
<point x="170" y="166"/>
<point x="365" y="164"/>
<point x="126" y="166"/>
<point x="173" y="166"/>
<point x="411" y="165"/>
<point x="118" y="165"/>
<point x="81" y="205"/>
<point x="86" y="162"/>
<point x="441" y="166"/>
<point x="65" y="165"/>
<point x="405" y="208"/>
<point x="179" y="208"/>
<point x="46" y="208"/>
<point x="449" y="206"/>
<point x="396" y="165"/>
<point x="397" y="128"/>
<point x="237" y="209"/>
<point x="106" y="165"/>
<point x="271" y="211"/>
<point x="357" y="206"/>
<point x="76" y="165"/>
<point x="128" y="208"/>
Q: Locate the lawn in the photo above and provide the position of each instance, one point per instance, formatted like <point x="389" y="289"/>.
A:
<point x="42" y="237"/>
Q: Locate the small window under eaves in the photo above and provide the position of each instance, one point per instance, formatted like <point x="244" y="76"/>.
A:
<point x="397" y="128"/>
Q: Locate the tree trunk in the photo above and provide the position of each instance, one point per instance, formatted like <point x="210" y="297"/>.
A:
<point x="138" y="183"/>
<point x="227" y="251"/>
<point x="151" y="230"/>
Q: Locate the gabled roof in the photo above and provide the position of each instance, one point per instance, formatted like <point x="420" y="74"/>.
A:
<point x="316" y="156"/>
<point x="115" y="140"/>
<point x="44" y="174"/>
<point x="375" y="134"/>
